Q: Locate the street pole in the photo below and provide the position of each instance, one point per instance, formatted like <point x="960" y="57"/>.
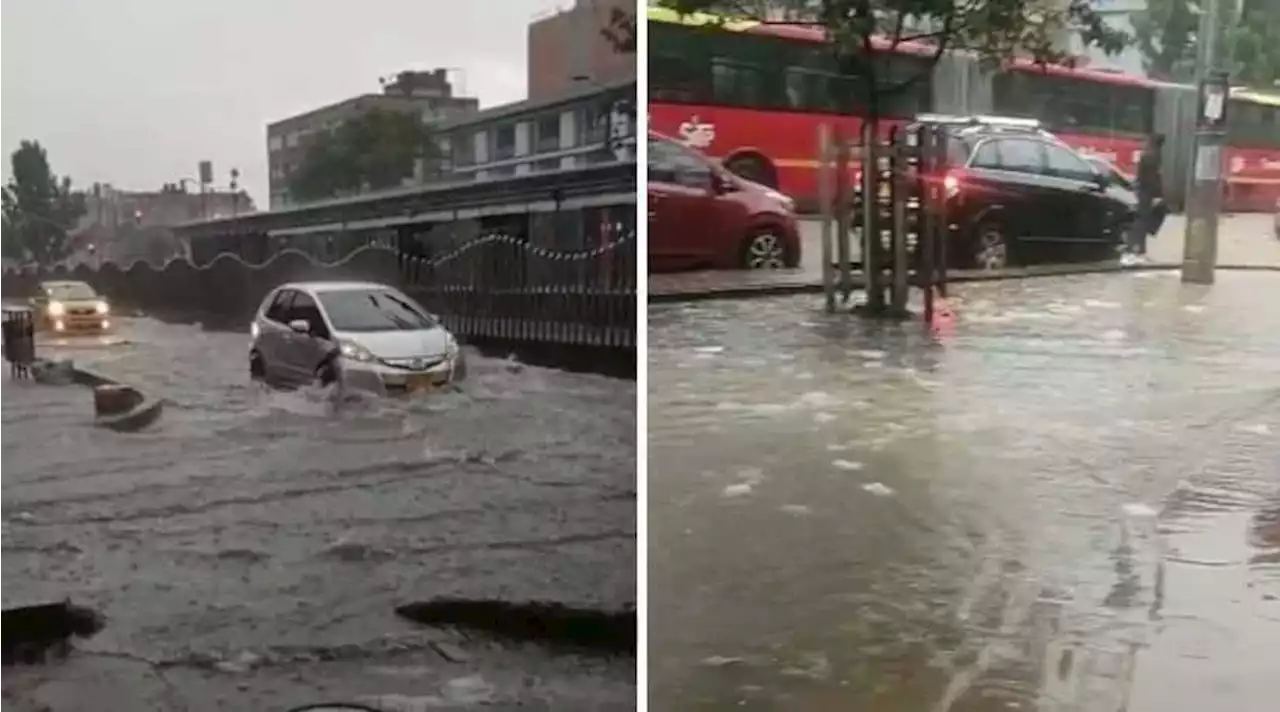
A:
<point x="1200" y="246"/>
<point x="1200" y="251"/>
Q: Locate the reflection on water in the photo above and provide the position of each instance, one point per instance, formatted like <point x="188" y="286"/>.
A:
<point x="853" y="517"/>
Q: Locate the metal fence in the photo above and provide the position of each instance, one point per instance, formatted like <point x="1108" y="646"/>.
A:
<point x="532" y="285"/>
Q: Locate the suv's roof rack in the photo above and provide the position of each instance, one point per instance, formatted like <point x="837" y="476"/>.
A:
<point x="982" y="121"/>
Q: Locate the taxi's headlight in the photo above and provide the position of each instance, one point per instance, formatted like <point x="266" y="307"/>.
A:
<point x="355" y="352"/>
<point x="57" y="309"/>
<point x="101" y="307"/>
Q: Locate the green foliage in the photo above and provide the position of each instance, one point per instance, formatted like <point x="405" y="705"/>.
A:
<point x="1167" y="34"/>
<point x="1255" y="45"/>
<point x="374" y="151"/>
<point x="1248" y="40"/>
<point x="38" y="209"/>
<point x="995" y="30"/>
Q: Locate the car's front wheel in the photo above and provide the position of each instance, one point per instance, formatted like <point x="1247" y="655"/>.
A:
<point x="257" y="370"/>
<point x="764" y="249"/>
<point x="327" y="373"/>
<point x="990" y="247"/>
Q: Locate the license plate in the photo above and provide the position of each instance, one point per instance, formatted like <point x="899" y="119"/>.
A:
<point x="414" y="384"/>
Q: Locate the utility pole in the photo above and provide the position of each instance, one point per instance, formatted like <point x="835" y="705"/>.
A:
<point x="1200" y="247"/>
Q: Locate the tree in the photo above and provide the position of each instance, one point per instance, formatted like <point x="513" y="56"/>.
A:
<point x="621" y="31"/>
<point x="1248" y="39"/>
<point x="994" y="30"/>
<point x="1255" y="44"/>
<point x="374" y="151"/>
<point x="38" y="209"/>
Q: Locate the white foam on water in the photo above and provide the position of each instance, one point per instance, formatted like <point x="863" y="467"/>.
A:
<point x="798" y="510"/>
<point x="847" y="465"/>
<point x="878" y="489"/>
<point x="1254" y="428"/>
<point x="741" y="489"/>
<point x="1100" y="304"/>
<point x="1194" y="308"/>
<point x="1139" y="509"/>
<point x="837" y="447"/>
<point x="823" y="417"/>
<point x="708" y="350"/>
<point x="871" y="354"/>
<point x="1113" y="335"/>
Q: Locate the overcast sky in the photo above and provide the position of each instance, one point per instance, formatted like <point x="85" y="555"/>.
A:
<point x="136" y="92"/>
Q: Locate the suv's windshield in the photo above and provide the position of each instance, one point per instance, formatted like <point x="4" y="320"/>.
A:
<point x="373" y="310"/>
<point x="71" y="291"/>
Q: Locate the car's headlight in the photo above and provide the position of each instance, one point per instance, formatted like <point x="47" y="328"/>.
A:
<point x="451" y="347"/>
<point x="355" y="352"/>
<point x="56" y="309"/>
<point x="101" y="307"/>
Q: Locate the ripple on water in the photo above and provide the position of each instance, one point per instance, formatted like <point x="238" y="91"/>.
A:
<point x="1054" y="468"/>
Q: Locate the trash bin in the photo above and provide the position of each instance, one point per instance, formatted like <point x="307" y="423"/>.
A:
<point x="19" y="335"/>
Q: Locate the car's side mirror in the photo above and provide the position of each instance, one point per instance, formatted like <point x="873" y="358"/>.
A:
<point x="302" y="326"/>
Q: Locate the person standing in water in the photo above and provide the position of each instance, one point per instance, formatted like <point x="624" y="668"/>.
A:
<point x="1150" y="192"/>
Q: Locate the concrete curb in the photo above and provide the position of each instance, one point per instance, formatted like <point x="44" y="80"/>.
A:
<point x="747" y="291"/>
<point x="117" y="406"/>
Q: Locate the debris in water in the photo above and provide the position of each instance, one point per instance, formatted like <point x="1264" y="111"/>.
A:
<point x="847" y="465"/>
<point x="878" y="489"/>
<point x="610" y="632"/>
<point x="32" y="632"/>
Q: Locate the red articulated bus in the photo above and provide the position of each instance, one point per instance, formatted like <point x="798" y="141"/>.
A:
<point x="754" y="94"/>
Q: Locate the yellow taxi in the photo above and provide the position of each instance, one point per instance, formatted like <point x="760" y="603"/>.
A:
<point x="70" y="307"/>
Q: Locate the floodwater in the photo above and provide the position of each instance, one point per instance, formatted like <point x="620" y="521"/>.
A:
<point x="249" y="550"/>
<point x="1066" y="500"/>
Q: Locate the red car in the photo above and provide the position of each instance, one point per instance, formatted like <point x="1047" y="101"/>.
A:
<point x="701" y="215"/>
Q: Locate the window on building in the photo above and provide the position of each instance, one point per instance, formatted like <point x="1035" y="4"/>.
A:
<point x="504" y="143"/>
<point x="592" y="124"/>
<point x="275" y="143"/>
<point x="547" y="129"/>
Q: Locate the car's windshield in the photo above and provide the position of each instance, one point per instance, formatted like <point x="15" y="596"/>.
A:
<point x="70" y="291"/>
<point x="373" y="310"/>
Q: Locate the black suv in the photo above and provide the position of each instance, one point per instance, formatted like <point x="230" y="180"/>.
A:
<point x="1016" y="194"/>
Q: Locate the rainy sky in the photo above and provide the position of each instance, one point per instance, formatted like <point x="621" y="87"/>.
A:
<point x="136" y="92"/>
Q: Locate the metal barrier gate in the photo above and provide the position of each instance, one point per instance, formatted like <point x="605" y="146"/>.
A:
<point x="901" y="231"/>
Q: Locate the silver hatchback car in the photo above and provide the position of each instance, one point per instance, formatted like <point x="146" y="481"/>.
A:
<point x="363" y="335"/>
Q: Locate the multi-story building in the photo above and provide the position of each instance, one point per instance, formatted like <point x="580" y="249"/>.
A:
<point x="569" y="49"/>
<point x="583" y="126"/>
<point x="426" y="94"/>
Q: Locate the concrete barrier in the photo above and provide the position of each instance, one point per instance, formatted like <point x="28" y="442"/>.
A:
<point x="115" y="405"/>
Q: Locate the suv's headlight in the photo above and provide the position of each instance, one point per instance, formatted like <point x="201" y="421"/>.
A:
<point x="101" y="307"/>
<point x="56" y="309"/>
<point x="355" y="352"/>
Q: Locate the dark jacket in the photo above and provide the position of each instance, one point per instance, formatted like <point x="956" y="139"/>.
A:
<point x="1150" y="179"/>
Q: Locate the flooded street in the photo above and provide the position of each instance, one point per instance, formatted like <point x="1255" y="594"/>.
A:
<point x="250" y="549"/>
<point x="1069" y="502"/>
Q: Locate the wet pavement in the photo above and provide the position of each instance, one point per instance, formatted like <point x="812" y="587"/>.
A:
<point x="1245" y="240"/>
<point x="1066" y="501"/>
<point x="249" y="550"/>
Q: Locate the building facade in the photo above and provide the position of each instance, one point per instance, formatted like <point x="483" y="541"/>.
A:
<point x="569" y="49"/>
<point x="426" y="94"/>
<point x="584" y="126"/>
